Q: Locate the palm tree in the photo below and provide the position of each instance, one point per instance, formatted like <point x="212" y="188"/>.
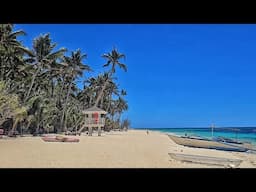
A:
<point x="8" y="39"/>
<point x="20" y="114"/>
<point x="113" y="60"/>
<point x="120" y="107"/>
<point x="74" y="69"/>
<point x="123" y="92"/>
<point x="43" y="57"/>
<point x="40" y="87"/>
<point x="11" y="54"/>
<point x="111" y="89"/>
<point x="126" y="124"/>
<point x="8" y="103"/>
<point x="86" y="96"/>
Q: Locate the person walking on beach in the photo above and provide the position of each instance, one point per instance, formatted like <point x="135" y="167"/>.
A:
<point x="147" y="132"/>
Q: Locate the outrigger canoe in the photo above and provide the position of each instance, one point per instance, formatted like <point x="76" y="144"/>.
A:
<point x="206" y="143"/>
<point x="225" y="162"/>
<point x="59" y="139"/>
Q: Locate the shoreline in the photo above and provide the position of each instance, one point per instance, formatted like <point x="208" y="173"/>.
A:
<point x="116" y="149"/>
<point x="252" y="142"/>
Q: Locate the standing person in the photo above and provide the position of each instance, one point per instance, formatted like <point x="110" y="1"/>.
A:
<point x="147" y="132"/>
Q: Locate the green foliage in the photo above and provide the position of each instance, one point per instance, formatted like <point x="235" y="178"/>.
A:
<point x="126" y="124"/>
<point x="38" y="87"/>
<point x="8" y="103"/>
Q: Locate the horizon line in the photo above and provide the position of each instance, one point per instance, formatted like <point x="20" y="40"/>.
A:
<point x="192" y="127"/>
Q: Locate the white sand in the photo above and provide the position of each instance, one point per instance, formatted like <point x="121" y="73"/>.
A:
<point x="132" y="149"/>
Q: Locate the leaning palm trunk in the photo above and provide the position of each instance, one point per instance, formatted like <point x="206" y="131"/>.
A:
<point x="65" y="122"/>
<point x="38" y="125"/>
<point x="21" y="129"/>
<point x="65" y="106"/>
<point x="101" y="94"/>
<point x="101" y="102"/>
<point x="112" y="121"/>
<point x="13" y="127"/>
<point x="52" y="88"/>
<point x="32" y="84"/>
<point x="118" y="120"/>
<point x="90" y="101"/>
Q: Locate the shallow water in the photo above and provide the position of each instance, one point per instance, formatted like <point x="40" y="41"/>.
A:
<point x="245" y="134"/>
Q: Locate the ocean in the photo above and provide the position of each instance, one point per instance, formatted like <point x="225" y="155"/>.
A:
<point x="246" y="134"/>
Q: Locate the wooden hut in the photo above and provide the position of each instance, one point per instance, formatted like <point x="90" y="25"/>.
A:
<point x="94" y="118"/>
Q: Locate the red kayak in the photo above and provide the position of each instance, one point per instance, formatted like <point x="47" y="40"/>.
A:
<point x="59" y="139"/>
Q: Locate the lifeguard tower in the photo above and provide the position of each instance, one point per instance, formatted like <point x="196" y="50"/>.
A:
<point x="94" y="118"/>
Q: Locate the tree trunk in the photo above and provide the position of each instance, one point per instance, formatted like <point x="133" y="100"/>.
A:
<point x="65" y="122"/>
<point x="28" y="124"/>
<point x="112" y="121"/>
<point x="2" y="69"/>
<point x="100" y="94"/>
<point x="99" y="131"/>
<point x="118" y="119"/>
<point x="101" y="102"/>
<point x="13" y="127"/>
<point x="21" y="131"/>
<point x="90" y="99"/>
<point x="109" y="103"/>
<point x="52" y="86"/>
<point x="65" y="106"/>
<point x="32" y="84"/>
<point x="37" y="127"/>
<point x="90" y="131"/>
<point x="61" y="91"/>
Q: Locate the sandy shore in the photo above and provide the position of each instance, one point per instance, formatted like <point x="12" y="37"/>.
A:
<point x="132" y="149"/>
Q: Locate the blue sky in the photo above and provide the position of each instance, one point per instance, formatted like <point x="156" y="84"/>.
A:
<point x="187" y="75"/>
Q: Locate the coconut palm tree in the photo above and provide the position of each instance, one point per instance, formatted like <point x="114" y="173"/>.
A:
<point x="12" y="54"/>
<point x="42" y="58"/>
<point x="8" y="103"/>
<point x="19" y="115"/>
<point x="8" y="39"/>
<point x="113" y="60"/>
<point x="74" y="69"/>
<point x="126" y="124"/>
<point x="40" y="85"/>
<point x="120" y="107"/>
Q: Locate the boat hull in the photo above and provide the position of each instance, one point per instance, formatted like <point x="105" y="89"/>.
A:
<point x="205" y="143"/>
<point x="63" y="139"/>
<point x="225" y="162"/>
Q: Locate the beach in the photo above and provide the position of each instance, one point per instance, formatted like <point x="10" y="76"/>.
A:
<point x="131" y="149"/>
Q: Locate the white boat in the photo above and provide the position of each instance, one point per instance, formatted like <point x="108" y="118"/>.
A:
<point x="206" y="143"/>
<point x="224" y="162"/>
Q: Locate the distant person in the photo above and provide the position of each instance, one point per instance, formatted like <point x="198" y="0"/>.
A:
<point x="147" y="132"/>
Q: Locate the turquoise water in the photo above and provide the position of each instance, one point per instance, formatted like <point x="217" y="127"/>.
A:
<point x="247" y="134"/>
